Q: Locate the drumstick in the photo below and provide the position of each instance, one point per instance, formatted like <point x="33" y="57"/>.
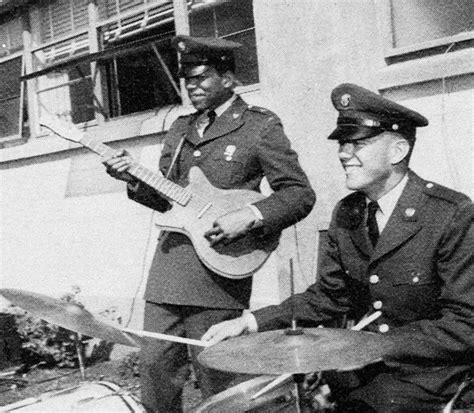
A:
<point x="167" y="337"/>
<point x="366" y="321"/>
<point x="359" y="326"/>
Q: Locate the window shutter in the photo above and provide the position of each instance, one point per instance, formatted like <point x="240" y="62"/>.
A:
<point x="10" y="72"/>
<point x="61" y="17"/>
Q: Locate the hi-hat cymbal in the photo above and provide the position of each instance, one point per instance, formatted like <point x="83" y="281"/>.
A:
<point x="67" y="315"/>
<point x="276" y="352"/>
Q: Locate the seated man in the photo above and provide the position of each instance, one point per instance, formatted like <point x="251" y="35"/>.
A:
<point x="398" y="244"/>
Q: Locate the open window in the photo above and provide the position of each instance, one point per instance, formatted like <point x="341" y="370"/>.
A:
<point x="117" y="59"/>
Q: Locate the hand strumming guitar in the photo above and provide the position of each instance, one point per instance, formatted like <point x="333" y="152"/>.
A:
<point x="232" y="226"/>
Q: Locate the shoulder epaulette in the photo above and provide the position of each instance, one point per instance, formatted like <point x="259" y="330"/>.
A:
<point x="447" y="194"/>
<point x="263" y="111"/>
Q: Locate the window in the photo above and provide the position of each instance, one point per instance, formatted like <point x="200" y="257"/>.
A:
<point x="63" y="29"/>
<point x="232" y="20"/>
<point x="11" y="108"/>
<point x="10" y="95"/>
<point x="428" y="27"/>
<point x="143" y="76"/>
<point x="135" y="66"/>
<point x="68" y="92"/>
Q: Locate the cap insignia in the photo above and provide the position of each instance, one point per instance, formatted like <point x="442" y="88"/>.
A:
<point x="409" y="212"/>
<point x="345" y="100"/>
<point x="181" y="46"/>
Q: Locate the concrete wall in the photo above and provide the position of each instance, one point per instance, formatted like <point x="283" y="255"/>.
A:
<point x="64" y="222"/>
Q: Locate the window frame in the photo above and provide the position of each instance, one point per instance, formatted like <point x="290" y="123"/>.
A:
<point x="419" y="62"/>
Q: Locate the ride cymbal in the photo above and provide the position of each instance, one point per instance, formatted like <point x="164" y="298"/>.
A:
<point x="277" y="352"/>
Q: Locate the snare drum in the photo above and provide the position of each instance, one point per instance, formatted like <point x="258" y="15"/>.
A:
<point x="94" y="397"/>
<point x="282" y="398"/>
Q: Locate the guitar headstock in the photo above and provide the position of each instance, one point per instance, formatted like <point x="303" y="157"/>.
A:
<point x="62" y="128"/>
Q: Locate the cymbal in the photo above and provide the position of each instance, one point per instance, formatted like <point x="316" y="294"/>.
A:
<point x="277" y="352"/>
<point x="67" y="315"/>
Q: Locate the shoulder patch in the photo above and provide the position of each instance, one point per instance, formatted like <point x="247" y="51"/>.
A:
<point x="447" y="194"/>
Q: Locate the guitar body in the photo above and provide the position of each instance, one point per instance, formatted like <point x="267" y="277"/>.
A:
<point x="194" y="209"/>
<point x="239" y="259"/>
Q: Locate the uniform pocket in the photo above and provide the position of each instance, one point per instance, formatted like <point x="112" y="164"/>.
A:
<point x="414" y="278"/>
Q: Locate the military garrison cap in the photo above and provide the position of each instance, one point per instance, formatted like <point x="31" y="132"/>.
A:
<point x="197" y="53"/>
<point x="363" y="114"/>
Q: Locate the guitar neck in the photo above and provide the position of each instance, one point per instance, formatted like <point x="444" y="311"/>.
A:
<point x="164" y="186"/>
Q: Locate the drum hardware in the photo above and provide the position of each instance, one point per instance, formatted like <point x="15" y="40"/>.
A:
<point x="99" y="396"/>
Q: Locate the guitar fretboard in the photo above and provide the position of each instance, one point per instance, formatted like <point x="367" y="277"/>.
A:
<point x="164" y="186"/>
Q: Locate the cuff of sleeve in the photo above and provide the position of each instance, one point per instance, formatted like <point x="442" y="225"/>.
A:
<point x="133" y="186"/>
<point x="256" y="212"/>
<point x="251" y="321"/>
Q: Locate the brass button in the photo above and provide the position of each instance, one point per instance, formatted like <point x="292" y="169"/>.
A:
<point x="377" y="305"/>
<point x="416" y="279"/>
<point x="374" y="279"/>
<point x="383" y="328"/>
<point x="197" y="153"/>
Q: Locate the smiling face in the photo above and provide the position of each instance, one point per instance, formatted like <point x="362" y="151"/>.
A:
<point x="209" y="89"/>
<point x="373" y="165"/>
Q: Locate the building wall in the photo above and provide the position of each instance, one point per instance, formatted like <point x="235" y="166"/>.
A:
<point x="64" y="222"/>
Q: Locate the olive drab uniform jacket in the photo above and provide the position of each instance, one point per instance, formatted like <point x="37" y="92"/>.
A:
<point x="420" y="276"/>
<point x="242" y="146"/>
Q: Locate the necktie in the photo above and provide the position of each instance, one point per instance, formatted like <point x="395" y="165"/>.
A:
<point x="211" y="117"/>
<point x="372" y="222"/>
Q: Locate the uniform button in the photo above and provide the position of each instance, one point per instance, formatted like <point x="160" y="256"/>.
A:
<point x="374" y="279"/>
<point x="429" y="185"/>
<point x="416" y="279"/>
<point x="377" y="305"/>
<point x="197" y="153"/>
<point x="383" y="328"/>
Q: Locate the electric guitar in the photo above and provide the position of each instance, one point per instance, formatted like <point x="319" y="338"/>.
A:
<point x="194" y="209"/>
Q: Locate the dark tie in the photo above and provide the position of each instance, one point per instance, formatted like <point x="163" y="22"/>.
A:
<point x="372" y="222"/>
<point x="211" y="116"/>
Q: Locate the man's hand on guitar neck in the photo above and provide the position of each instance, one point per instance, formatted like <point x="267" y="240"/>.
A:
<point x="232" y="226"/>
<point x="118" y="164"/>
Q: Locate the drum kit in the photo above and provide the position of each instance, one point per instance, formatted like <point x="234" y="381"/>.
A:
<point x="280" y="359"/>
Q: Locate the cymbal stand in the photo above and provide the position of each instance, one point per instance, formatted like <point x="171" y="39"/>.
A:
<point x="293" y="330"/>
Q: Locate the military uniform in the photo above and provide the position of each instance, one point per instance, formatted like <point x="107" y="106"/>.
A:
<point x="243" y="145"/>
<point x="419" y="275"/>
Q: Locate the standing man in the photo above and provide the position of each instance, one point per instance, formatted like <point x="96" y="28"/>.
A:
<point x="398" y="244"/>
<point x="235" y="145"/>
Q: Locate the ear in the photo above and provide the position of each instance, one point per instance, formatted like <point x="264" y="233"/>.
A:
<point x="228" y="79"/>
<point x="399" y="151"/>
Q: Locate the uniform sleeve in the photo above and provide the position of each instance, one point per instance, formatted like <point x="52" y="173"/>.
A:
<point x="323" y="302"/>
<point x="449" y="338"/>
<point x="293" y="198"/>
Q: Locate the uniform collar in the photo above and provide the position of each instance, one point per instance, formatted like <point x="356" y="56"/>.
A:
<point x="226" y="105"/>
<point x="388" y="201"/>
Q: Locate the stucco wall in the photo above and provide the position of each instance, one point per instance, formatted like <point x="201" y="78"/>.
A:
<point x="103" y="242"/>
